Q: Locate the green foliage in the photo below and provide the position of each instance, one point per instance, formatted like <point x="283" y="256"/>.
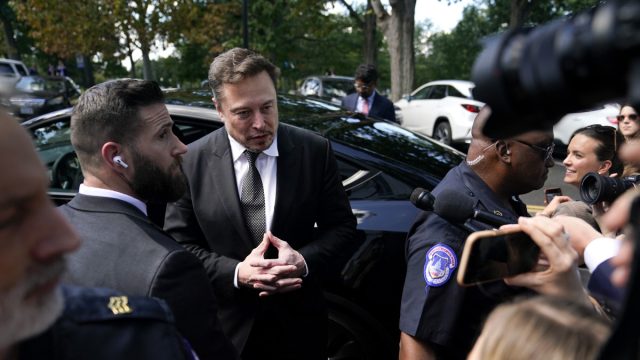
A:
<point x="451" y="55"/>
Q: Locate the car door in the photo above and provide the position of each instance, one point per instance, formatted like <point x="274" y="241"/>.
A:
<point x="413" y="111"/>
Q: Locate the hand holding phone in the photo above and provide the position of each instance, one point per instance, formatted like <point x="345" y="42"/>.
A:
<point x="550" y="193"/>
<point x="495" y="254"/>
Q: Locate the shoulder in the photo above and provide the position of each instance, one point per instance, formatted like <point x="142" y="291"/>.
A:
<point x="99" y="304"/>
<point x="299" y="136"/>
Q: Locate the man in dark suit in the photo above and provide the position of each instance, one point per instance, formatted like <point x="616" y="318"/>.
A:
<point x="122" y="133"/>
<point x="255" y="186"/>
<point x="366" y="99"/>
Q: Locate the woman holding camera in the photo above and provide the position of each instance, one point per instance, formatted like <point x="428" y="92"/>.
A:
<point x="591" y="149"/>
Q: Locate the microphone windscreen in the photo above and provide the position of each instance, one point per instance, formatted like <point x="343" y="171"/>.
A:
<point x="454" y="206"/>
<point x="422" y="199"/>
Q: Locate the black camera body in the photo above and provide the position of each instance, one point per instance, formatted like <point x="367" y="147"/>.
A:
<point x="532" y="77"/>
<point x="596" y="188"/>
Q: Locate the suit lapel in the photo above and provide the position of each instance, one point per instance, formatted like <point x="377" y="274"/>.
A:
<point x="221" y="175"/>
<point x="288" y="166"/>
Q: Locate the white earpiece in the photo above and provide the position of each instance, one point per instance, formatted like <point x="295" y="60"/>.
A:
<point x="508" y="152"/>
<point x="118" y="160"/>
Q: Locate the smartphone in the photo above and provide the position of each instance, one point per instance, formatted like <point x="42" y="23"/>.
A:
<point x="550" y="193"/>
<point x="491" y="255"/>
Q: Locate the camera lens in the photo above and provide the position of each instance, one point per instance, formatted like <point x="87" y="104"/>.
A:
<point x="595" y="188"/>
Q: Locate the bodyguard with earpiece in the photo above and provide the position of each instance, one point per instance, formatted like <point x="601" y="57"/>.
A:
<point x="122" y="134"/>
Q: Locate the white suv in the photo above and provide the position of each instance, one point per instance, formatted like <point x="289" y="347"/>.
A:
<point x="443" y="110"/>
<point x="10" y="72"/>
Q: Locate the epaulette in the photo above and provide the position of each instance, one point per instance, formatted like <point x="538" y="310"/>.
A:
<point x="97" y="304"/>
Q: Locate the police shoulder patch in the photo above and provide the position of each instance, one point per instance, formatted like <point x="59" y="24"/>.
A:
<point x="440" y="263"/>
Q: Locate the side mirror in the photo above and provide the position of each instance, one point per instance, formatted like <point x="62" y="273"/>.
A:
<point x="407" y="97"/>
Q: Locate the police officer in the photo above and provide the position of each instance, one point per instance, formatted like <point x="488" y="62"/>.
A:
<point x="440" y="319"/>
<point x="38" y="320"/>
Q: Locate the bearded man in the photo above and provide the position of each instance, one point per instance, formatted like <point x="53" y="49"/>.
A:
<point x="122" y="133"/>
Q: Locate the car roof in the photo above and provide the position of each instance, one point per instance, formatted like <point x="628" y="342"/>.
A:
<point x="331" y="77"/>
<point x="462" y="83"/>
<point x="11" y="61"/>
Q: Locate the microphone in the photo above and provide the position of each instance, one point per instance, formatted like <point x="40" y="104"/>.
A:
<point x="458" y="208"/>
<point x="422" y="199"/>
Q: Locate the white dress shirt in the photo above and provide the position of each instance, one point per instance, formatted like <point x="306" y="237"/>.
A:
<point x="599" y="251"/>
<point x="267" y="166"/>
<point x="360" y="103"/>
<point x="94" y="191"/>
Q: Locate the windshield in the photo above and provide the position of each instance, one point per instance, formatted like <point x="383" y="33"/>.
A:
<point x="33" y="84"/>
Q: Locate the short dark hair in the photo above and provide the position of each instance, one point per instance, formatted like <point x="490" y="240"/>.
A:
<point x="110" y="112"/>
<point x="609" y="139"/>
<point x="367" y="73"/>
<point x="235" y="65"/>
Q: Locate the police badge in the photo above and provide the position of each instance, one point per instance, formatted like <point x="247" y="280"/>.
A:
<point x="440" y="263"/>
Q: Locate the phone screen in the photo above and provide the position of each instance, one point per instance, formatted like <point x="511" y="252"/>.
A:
<point x="493" y="255"/>
<point x="549" y="194"/>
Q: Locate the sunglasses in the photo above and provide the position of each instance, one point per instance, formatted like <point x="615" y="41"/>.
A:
<point x="363" y="86"/>
<point x="632" y="117"/>
<point x="546" y="152"/>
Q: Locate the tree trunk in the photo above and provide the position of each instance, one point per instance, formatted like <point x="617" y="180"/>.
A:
<point x="519" y="12"/>
<point x="9" y="34"/>
<point x="88" y="72"/>
<point x="398" y="28"/>
<point x="146" y="63"/>
<point x="370" y="48"/>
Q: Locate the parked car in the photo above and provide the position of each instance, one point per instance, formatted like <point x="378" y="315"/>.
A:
<point x="443" y="110"/>
<point x="330" y="87"/>
<point x="36" y="95"/>
<point x="562" y="130"/>
<point x="10" y="72"/>
<point x="380" y="163"/>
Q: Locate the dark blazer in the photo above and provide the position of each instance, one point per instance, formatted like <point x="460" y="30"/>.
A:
<point x="601" y="288"/>
<point x="208" y="221"/>
<point x="124" y="251"/>
<point x="382" y="107"/>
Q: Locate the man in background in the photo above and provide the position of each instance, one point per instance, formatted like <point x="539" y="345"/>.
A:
<point x="366" y="99"/>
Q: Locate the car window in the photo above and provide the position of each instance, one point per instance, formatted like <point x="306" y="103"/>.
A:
<point x="451" y="91"/>
<point x="438" y="92"/>
<point x="6" y="69"/>
<point x="52" y="141"/>
<point x="338" y="88"/>
<point x="422" y="93"/>
<point x="21" y="70"/>
<point x="311" y="87"/>
<point x="366" y="184"/>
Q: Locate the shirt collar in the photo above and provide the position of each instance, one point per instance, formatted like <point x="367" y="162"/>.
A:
<point x="238" y="149"/>
<point x="94" y="191"/>
<point x="370" y="98"/>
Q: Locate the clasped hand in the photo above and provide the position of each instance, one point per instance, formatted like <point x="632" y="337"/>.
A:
<point x="272" y="276"/>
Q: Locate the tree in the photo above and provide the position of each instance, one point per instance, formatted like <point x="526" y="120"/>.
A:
<point x="398" y="28"/>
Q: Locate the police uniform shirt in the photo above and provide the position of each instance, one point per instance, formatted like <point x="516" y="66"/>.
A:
<point x="435" y="309"/>
<point x="103" y="324"/>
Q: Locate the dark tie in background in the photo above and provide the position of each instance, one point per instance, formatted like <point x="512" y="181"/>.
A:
<point x="252" y="199"/>
<point x="365" y="106"/>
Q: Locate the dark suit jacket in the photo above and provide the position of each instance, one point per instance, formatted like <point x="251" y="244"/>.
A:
<point x="601" y="288"/>
<point x="382" y="107"/>
<point x="124" y="251"/>
<point x="208" y="221"/>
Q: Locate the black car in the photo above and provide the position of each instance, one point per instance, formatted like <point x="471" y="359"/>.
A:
<point x="331" y="88"/>
<point x="37" y="95"/>
<point x="380" y="163"/>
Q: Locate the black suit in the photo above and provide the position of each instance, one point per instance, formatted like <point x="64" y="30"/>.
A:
<point x="208" y="220"/>
<point x="382" y="107"/>
<point x="124" y="251"/>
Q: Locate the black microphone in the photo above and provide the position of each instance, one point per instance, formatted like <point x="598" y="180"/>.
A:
<point x="422" y="199"/>
<point x="458" y="208"/>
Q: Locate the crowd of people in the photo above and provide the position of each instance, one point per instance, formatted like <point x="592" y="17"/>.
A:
<point x="257" y="214"/>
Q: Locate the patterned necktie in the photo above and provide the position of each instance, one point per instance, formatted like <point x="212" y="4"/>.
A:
<point x="365" y="106"/>
<point x="252" y="199"/>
